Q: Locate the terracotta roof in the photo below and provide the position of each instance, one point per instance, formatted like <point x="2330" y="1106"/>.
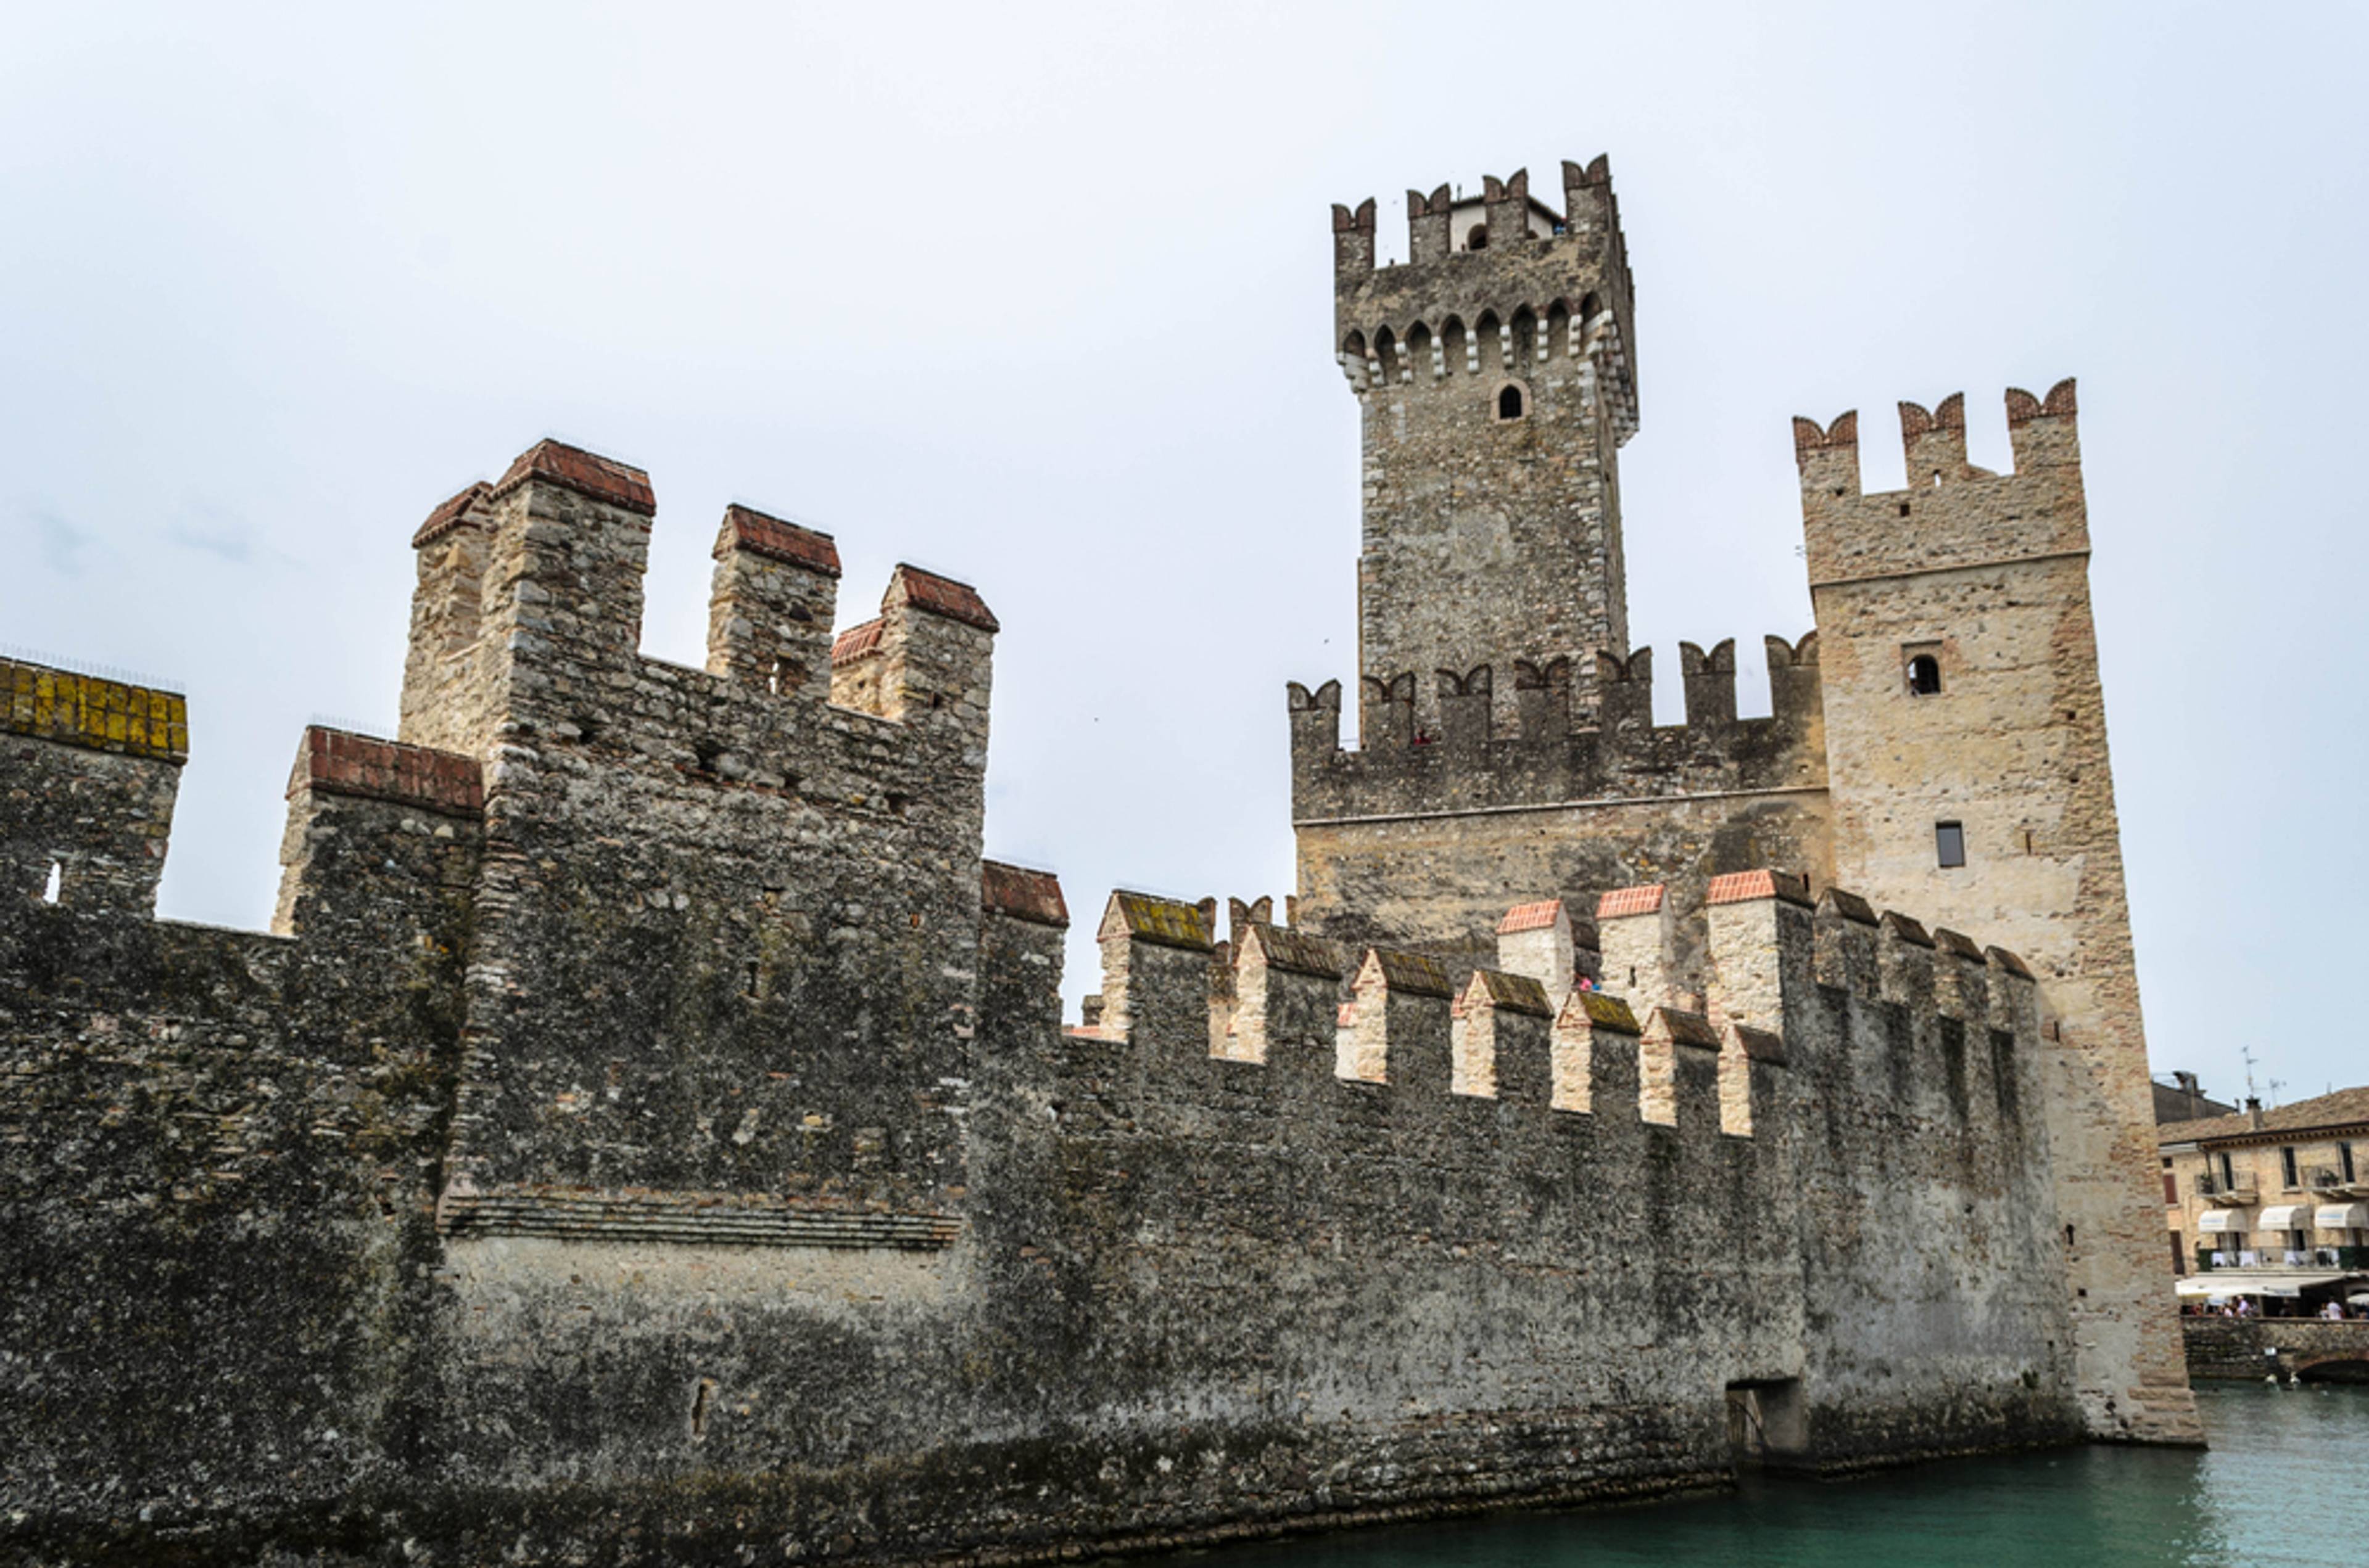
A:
<point x="1411" y="974"/>
<point x="1759" y="1044"/>
<point x="1850" y="906"/>
<point x="1165" y="922"/>
<point x="1295" y="952"/>
<point x="1604" y="1012"/>
<point x="1644" y="900"/>
<point x="1514" y="994"/>
<point x="1687" y="1028"/>
<point x="338" y="761"/>
<point x="1033" y="895"/>
<point x="776" y="540"/>
<point x="1739" y="886"/>
<point x="1531" y="917"/>
<point x="449" y="515"/>
<point x="943" y="596"/>
<point x="587" y="474"/>
<point x="856" y="642"/>
<point x="2343" y="1108"/>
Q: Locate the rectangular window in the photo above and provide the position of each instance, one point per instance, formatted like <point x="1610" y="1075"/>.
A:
<point x="2229" y="1176"/>
<point x="2344" y="1159"/>
<point x="2179" y="1258"/>
<point x="1949" y="842"/>
<point x="2287" y="1168"/>
<point x="2170" y="1187"/>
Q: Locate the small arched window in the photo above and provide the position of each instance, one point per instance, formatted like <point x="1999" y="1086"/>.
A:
<point x="1509" y="403"/>
<point x="1477" y="237"/>
<point x="1924" y="676"/>
<point x="54" y="884"/>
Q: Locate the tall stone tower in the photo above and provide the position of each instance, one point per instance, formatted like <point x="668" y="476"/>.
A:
<point x="1969" y="781"/>
<point x="1496" y="377"/>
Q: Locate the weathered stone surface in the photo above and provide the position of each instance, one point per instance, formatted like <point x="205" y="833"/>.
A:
<point x="648" y="1133"/>
<point x="1951" y="686"/>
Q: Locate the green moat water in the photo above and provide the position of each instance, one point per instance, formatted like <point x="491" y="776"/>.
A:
<point x="2286" y="1482"/>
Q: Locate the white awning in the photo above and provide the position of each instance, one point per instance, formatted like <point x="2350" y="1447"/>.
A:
<point x="2253" y="1282"/>
<point x="2286" y="1217"/>
<point x="2220" y="1222"/>
<point x="2342" y="1217"/>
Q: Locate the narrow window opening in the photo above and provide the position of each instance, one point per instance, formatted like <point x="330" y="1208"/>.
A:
<point x="2068" y="1238"/>
<point x="2287" y="1167"/>
<point x="2027" y="840"/>
<point x="1937" y="478"/>
<point x="707" y="751"/>
<point x="2344" y="1159"/>
<point x="57" y="880"/>
<point x="749" y="988"/>
<point x="702" y="1402"/>
<point x="1477" y="237"/>
<point x="1950" y="843"/>
<point x="1924" y="676"/>
<point x="1509" y="403"/>
<point x="896" y="804"/>
<point x="2228" y="1172"/>
<point x="773" y="678"/>
<point x="1904" y="507"/>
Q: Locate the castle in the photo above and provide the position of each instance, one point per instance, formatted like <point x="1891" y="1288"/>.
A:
<point x="648" y="1130"/>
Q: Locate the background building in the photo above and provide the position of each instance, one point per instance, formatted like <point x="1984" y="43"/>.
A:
<point x="2283" y="1188"/>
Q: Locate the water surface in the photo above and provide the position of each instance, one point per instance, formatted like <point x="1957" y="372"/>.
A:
<point x="2286" y="1482"/>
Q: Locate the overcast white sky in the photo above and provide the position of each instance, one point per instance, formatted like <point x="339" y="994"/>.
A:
<point x="1041" y="297"/>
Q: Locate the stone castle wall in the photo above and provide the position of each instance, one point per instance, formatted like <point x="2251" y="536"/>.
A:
<point x="648" y="1132"/>
<point x="1489" y="540"/>
<point x="1425" y="840"/>
<point x="1987" y="575"/>
<point x="609" y="1151"/>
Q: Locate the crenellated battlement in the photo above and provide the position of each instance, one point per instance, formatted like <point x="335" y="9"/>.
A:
<point x="1451" y="754"/>
<point x="89" y="770"/>
<point x="1555" y="1134"/>
<point x="1952" y="513"/>
<point x="1703" y="1013"/>
<point x="1496" y="285"/>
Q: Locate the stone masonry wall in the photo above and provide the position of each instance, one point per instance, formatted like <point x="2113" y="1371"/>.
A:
<point x="1425" y="845"/>
<point x="1489" y="540"/>
<point x="2235" y="1348"/>
<point x="1174" y="1296"/>
<point x="1987" y="575"/>
<point x="88" y="772"/>
<point x="218" y="1154"/>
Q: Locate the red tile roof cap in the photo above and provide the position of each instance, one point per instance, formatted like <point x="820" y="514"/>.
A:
<point x="451" y="514"/>
<point x="856" y="642"/>
<point x="1620" y="901"/>
<point x="776" y="540"/>
<point x="338" y="761"/>
<point x="587" y="474"/>
<point x="1741" y="886"/>
<point x="1531" y="917"/>
<point x="942" y="596"/>
<point x="1032" y="896"/>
